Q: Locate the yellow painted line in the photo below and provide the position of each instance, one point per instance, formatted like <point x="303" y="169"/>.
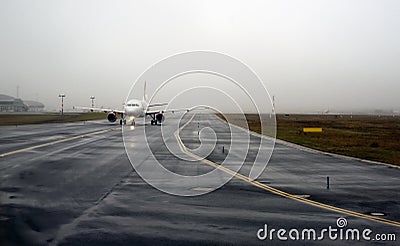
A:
<point x="312" y="129"/>
<point x="55" y="142"/>
<point x="279" y="192"/>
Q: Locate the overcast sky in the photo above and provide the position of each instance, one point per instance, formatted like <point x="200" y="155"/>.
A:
<point x="312" y="55"/>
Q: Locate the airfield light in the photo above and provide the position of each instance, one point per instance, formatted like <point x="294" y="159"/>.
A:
<point x="62" y="103"/>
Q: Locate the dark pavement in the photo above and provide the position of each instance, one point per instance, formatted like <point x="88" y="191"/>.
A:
<point x="84" y="191"/>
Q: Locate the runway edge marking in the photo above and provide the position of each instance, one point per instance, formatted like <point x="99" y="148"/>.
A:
<point x="55" y="142"/>
<point x="277" y="191"/>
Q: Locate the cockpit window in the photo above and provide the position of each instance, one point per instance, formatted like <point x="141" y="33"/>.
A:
<point x="133" y="105"/>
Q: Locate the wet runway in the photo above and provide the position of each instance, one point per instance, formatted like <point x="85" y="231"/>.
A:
<point x="73" y="184"/>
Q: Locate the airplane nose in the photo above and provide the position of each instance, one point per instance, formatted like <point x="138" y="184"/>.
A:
<point x="132" y="111"/>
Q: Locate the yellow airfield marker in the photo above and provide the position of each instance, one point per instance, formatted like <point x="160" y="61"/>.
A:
<point x="312" y="129"/>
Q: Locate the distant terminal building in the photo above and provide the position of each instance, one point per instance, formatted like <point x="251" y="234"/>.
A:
<point x="34" y="106"/>
<point x="12" y="104"/>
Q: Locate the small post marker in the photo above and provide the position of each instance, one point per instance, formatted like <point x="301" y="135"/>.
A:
<point x="223" y="149"/>
<point x="327" y="182"/>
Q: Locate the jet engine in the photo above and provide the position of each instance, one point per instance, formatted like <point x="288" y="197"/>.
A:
<point x="111" y="117"/>
<point x="160" y="117"/>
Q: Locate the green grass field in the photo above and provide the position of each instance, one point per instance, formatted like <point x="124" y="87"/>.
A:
<point x="22" y="119"/>
<point x="368" y="137"/>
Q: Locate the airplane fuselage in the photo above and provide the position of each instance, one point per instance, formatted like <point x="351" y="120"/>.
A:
<point x="135" y="108"/>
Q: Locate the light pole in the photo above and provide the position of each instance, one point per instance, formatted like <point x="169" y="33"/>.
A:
<point x="92" y="98"/>
<point x="62" y="103"/>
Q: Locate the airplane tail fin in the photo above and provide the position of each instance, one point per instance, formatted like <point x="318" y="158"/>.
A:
<point x="144" y="92"/>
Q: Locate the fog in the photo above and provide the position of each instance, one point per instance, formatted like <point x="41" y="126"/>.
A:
<point x="312" y="55"/>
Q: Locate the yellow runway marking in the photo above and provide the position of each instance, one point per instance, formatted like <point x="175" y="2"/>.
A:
<point x="279" y="192"/>
<point x="312" y="129"/>
<point x="54" y="142"/>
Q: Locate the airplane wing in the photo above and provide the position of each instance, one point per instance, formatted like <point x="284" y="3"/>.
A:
<point x="105" y="110"/>
<point x="157" y="105"/>
<point x="151" y="112"/>
<point x="158" y="115"/>
<point x="177" y="110"/>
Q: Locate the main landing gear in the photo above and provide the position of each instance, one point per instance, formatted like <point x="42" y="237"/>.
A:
<point x="122" y="121"/>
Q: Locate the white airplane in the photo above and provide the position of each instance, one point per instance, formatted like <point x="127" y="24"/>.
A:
<point x="135" y="108"/>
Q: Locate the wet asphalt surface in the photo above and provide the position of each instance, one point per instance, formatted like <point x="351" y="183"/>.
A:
<point x="85" y="191"/>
